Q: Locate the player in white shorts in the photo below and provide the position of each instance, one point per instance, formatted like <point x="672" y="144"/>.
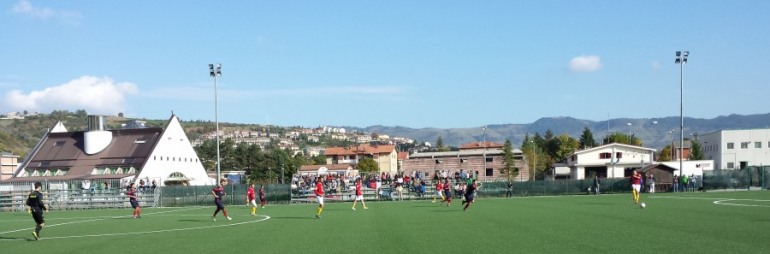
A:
<point x="359" y="195"/>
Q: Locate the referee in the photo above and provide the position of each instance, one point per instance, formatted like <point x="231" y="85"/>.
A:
<point x="35" y="203"/>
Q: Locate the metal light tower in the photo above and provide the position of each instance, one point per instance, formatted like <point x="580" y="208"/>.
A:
<point x="681" y="59"/>
<point x="216" y="71"/>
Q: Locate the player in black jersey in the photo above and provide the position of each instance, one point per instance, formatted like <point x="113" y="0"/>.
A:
<point x="35" y="203"/>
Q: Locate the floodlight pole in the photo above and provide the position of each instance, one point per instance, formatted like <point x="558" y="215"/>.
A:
<point x="216" y="71"/>
<point x="681" y="59"/>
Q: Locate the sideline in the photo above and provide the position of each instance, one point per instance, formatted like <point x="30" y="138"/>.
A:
<point x="264" y="218"/>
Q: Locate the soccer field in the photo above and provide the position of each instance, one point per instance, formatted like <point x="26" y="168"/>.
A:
<point x="714" y="222"/>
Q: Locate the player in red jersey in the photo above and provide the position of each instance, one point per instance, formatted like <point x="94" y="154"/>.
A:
<point x="262" y="196"/>
<point x="319" y="196"/>
<point x="439" y="191"/>
<point x="359" y="195"/>
<point x="635" y="180"/>
<point x="219" y="193"/>
<point x="134" y="203"/>
<point x="251" y="199"/>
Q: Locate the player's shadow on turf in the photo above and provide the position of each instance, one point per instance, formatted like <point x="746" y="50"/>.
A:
<point x="15" y="238"/>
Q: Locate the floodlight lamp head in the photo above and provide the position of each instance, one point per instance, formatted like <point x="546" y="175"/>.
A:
<point x="678" y="53"/>
<point x="686" y="53"/>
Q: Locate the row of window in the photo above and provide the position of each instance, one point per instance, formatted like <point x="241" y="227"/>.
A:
<point x="609" y="155"/>
<point x="488" y="159"/>
<point x="45" y="172"/>
<point x="180" y="159"/>
<point x="745" y="145"/>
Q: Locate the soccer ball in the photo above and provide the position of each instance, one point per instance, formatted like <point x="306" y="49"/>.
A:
<point x="643" y="205"/>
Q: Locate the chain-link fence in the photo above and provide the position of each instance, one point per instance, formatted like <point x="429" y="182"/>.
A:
<point x="236" y="194"/>
<point x="752" y="177"/>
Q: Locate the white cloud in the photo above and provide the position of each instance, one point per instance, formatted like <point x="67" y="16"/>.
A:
<point x="655" y="65"/>
<point x="585" y="64"/>
<point x="94" y="94"/>
<point x="25" y="7"/>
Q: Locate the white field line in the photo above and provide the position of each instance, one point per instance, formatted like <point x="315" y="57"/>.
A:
<point x="92" y="219"/>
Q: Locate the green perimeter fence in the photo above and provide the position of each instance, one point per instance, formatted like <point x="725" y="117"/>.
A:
<point x="66" y="195"/>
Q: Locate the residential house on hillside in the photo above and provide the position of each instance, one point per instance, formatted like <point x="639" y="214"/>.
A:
<point x="384" y="155"/>
<point x="675" y="151"/>
<point x="163" y="155"/>
<point x="8" y="164"/>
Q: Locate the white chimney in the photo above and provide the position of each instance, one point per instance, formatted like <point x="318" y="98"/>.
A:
<point x="96" y="138"/>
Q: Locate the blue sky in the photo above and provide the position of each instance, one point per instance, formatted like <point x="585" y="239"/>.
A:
<point x="446" y="64"/>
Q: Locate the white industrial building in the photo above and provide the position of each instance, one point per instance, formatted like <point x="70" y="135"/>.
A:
<point x="736" y="149"/>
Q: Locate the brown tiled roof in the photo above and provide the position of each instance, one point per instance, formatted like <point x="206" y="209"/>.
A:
<point x="329" y="167"/>
<point x="403" y="155"/>
<point x="481" y="145"/>
<point x="361" y="149"/>
<point x="65" y="151"/>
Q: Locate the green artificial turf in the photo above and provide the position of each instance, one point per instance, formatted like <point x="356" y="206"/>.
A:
<point x="671" y="223"/>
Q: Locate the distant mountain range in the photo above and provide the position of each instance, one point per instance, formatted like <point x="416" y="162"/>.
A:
<point x="654" y="132"/>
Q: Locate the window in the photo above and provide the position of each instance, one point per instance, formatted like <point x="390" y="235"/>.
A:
<point x="463" y="160"/>
<point x="730" y="145"/>
<point x="757" y="144"/>
<point x="490" y="159"/>
<point x="489" y="172"/>
<point x="605" y="155"/>
<point x="730" y="165"/>
<point x="618" y="155"/>
<point x="744" y="145"/>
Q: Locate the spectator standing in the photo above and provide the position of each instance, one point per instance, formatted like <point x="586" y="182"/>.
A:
<point x="691" y="182"/>
<point x="683" y="184"/>
<point x="651" y="182"/>
<point x="676" y="183"/>
<point x="597" y="184"/>
<point x="509" y="190"/>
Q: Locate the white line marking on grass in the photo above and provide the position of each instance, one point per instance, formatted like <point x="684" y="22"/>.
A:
<point x="265" y="217"/>
<point x="93" y="220"/>
<point x="725" y="202"/>
<point x="158" y="231"/>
